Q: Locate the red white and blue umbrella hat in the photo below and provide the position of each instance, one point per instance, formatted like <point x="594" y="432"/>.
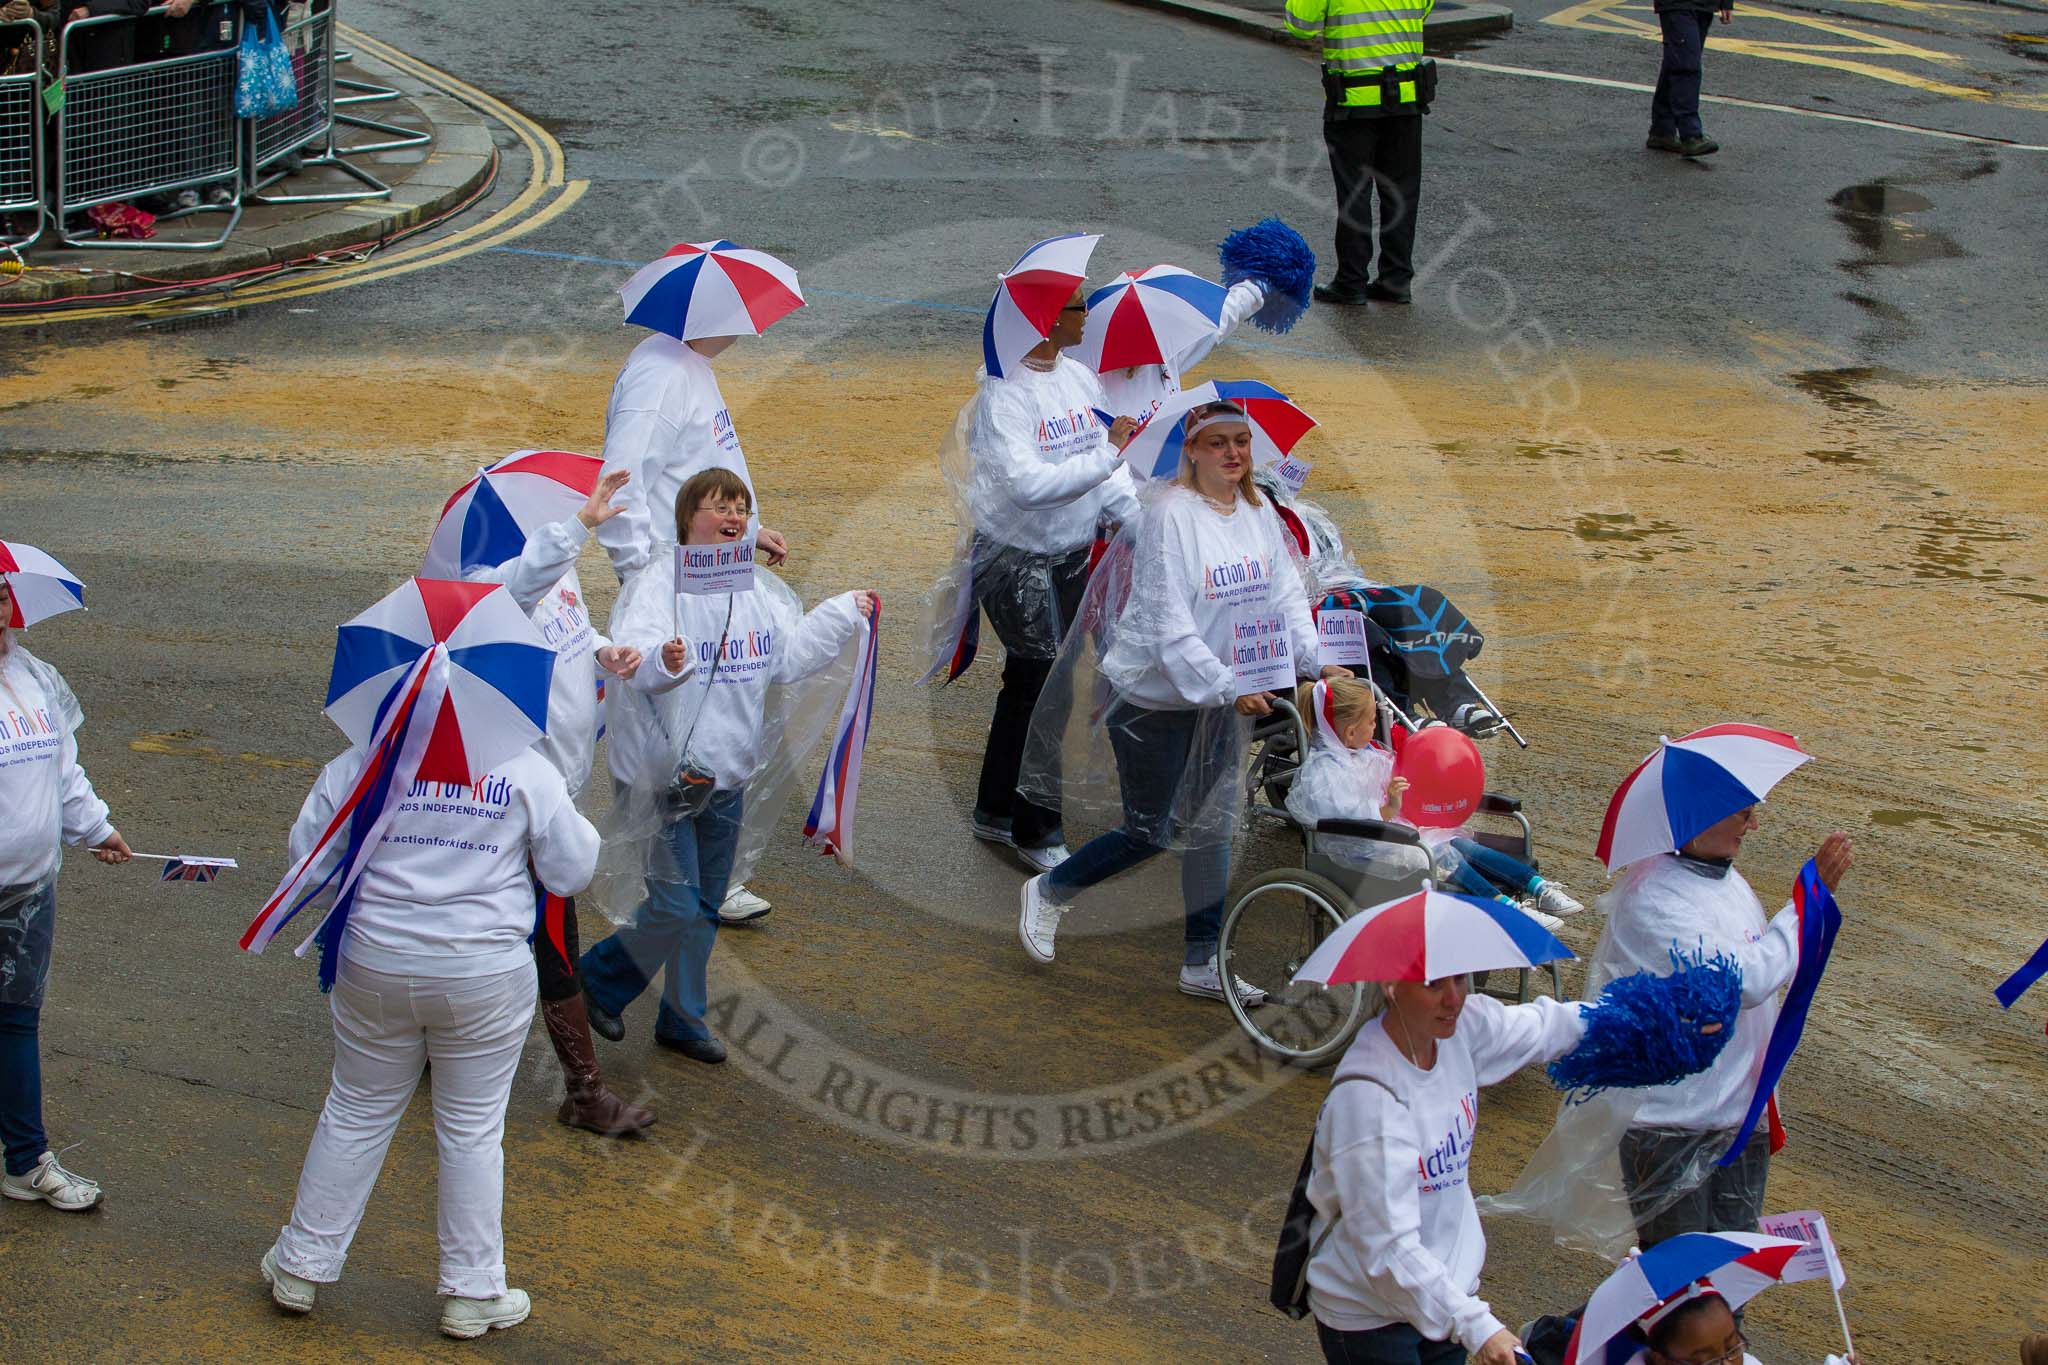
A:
<point x="487" y="520"/>
<point x="711" y="289"/>
<point x="1428" y="936"/>
<point x="498" y="673"/>
<point x="1690" y="784"/>
<point x="40" y="586"/>
<point x="1029" y="297"/>
<point x="1148" y="317"/>
<point x="1735" y="1265"/>
<point x="1277" y="426"/>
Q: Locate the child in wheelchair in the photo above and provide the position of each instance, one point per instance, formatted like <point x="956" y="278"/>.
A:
<point x="1349" y="775"/>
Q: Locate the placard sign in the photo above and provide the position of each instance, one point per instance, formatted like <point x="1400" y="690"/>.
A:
<point x="1259" y="654"/>
<point x="714" y="570"/>
<point x="1342" y="632"/>
<point x="1292" y="472"/>
<point x="1819" y="1260"/>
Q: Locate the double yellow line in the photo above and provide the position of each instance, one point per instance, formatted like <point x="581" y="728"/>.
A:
<point x="546" y="195"/>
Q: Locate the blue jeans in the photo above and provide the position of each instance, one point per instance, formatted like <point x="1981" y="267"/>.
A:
<point x="1153" y="754"/>
<point x="1477" y="870"/>
<point x="1395" y="1344"/>
<point x="21" y="1088"/>
<point x="674" y="928"/>
<point x="1675" y="108"/>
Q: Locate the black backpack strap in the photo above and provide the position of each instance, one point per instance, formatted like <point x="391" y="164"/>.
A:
<point x="1307" y="1169"/>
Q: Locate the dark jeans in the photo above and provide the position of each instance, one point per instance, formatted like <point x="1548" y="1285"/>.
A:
<point x="675" y="928"/>
<point x="1153" y="750"/>
<point x="21" y="1088"/>
<point x="1675" y="108"/>
<point x="1029" y="600"/>
<point x="1395" y="1344"/>
<point x="555" y="917"/>
<point x="1730" y="1199"/>
<point x="1385" y="153"/>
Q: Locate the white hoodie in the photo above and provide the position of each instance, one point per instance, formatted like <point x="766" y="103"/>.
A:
<point x="1663" y="904"/>
<point x="542" y="580"/>
<point x="1391" y="1156"/>
<point x="767" y="641"/>
<point x="1139" y="390"/>
<point x="1043" y="470"/>
<point x="45" y="799"/>
<point x="1195" y="574"/>
<point x="447" y="893"/>
<point x="666" y="421"/>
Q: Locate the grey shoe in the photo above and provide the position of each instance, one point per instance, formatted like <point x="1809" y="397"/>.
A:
<point x="49" y="1183"/>
<point x="1662" y="142"/>
<point x="467" y="1319"/>
<point x="287" y="1291"/>
<point x="1697" y="146"/>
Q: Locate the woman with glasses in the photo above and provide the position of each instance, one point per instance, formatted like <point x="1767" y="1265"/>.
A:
<point x="1044" y="482"/>
<point x="1696" y="901"/>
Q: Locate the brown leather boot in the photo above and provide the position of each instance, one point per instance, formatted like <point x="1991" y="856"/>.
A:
<point x="590" y="1104"/>
<point x="2034" y="1349"/>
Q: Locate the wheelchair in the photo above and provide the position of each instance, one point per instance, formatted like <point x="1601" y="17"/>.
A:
<point x="1279" y="917"/>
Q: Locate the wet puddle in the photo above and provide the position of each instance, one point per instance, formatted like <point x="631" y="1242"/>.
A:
<point x="1615" y="529"/>
<point x="1838" y="388"/>
<point x="1873" y="213"/>
<point x="2026" y="834"/>
<point x="1950" y="545"/>
<point x="1836" y="457"/>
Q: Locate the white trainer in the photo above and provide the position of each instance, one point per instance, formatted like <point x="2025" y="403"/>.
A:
<point x="1038" y="919"/>
<point x="742" y="907"/>
<point x="1553" y="899"/>
<point x="52" y="1185"/>
<point x="1206" y="982"/>
<point x="287" y="1290"/>
<point x="1548" y="921"/>
<point x="1044" y="859"/>
<point x="466" y="1319"/>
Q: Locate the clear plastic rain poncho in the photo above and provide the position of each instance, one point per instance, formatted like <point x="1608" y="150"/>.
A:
<point x="1337" y="782"/>
<point x="1136" y="726"/>
<point x="1330" y="567"/>
<point x="781" y="678"/>
<point x="1036" y="488"/>
<point x="1622" y="1158"/>
<point x="28" y="912"/>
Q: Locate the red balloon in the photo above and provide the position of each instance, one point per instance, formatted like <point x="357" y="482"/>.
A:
<point x="1446" y="777"/>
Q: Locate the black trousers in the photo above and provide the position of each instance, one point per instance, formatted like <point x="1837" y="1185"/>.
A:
<point x="1383" y="154"/>
<point x="1029" y="608"/>
<point x="555" y="916"/>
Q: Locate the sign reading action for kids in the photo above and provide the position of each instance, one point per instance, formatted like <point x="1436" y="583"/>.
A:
<point x="1260" y="658"/>
<point x="1342" y="633"/>
<point x="715" y="570"/>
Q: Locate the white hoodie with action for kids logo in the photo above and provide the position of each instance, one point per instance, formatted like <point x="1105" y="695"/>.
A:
<point x="45" y="799"/>
<point x="1391" y="1158"/>
<point x="1043" y="471"/>
<point x="447" y="892"/>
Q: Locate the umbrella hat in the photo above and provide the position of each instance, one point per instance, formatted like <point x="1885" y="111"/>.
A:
<point x="1148" y="318"/>
<point x="1277" y="425"/>
<point x="1029" y="298"/>
<point x="488" y="520"/>
<point x="1741" y="1266"/>
<point x="497" y="666"/>
<point x="711" y="289"/>
<point x="39" y="586"/>
<point x="1691" y="783"/>
<point x="1427" y="936"/>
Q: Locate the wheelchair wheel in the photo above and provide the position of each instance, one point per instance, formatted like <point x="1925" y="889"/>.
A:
<point x="1276" y="922"/>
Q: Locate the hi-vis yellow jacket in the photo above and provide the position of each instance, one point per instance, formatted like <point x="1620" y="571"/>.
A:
<point x="1365" y="37"/>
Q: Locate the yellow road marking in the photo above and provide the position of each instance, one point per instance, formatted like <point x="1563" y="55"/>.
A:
<point x="547" y="194"/>
<point x="1605" y="16"/>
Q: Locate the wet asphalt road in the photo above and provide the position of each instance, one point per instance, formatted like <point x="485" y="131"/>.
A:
<point x="898" y="155"/>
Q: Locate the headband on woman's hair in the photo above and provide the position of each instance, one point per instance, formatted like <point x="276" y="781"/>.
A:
<point x="1218" y="412"/>
<point x="1699" y="1289"/>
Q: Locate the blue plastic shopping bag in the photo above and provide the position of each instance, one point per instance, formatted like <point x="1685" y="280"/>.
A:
<point x="265" y="85"/>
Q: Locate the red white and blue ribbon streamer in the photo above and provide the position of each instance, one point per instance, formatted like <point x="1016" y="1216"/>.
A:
<point x="396" y="747"/>
<point x="2016" y="985"/>
<point x="1819" y="920"/>
<point x="829" y="826"/>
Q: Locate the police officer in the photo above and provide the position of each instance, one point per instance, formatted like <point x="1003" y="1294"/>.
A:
<point x="1377" y="85"/>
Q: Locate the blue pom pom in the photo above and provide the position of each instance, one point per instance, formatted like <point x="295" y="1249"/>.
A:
<point x="1650" y="1030"/>
<point x="1273" y="256"/>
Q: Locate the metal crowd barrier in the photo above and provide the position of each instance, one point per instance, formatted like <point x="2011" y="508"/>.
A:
<point x="370" y="93"/>
<point x="151" y="128"/>
<point x="308" y="123"/>
<point x="21" y="134"/>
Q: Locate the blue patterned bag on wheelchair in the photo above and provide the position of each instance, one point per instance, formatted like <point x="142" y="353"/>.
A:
<point x="265" y="84"/>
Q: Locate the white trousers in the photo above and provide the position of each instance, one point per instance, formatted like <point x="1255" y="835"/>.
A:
<point x="385" y="1028"/>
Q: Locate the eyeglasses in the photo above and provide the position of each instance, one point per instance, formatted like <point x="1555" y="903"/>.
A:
<point x="1731" y="1357"/>
<point x="1075" y="308"/>
<point x="725" y="509"/>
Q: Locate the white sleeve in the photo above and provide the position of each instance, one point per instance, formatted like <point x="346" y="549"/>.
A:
<point x="644" y="619"/>
<point x="564" y="844"/>
<point x="1373" y="1158"/>
<point x="1768" y="964"/>
<point x="1505" y="1038"/>
<point x="1244" y="299"/>
<point x="548" y="553"/>
<point x="1120" y="494"/>
<point x="1165" y="575"/>
<point x="1007" y="457"/>
<point x="813" y="640"/>
<point x="633" y="443"/>
<point x="84" y="814"/>
<point x="318" y="810"/>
